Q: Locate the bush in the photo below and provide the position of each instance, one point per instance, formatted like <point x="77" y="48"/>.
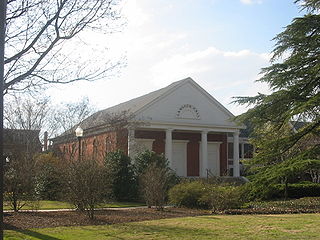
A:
<point x="48" y="182"/>
<point x="147" y="158"/>
<point x="144" y="159"/>
<point x="198" y="194"/>
<point x="297" y="190"/>
<point x="221" y="197"/>
<point x="124" y="183"/>
<point x="154" y="184"/>
<point x="19" y="180"/>
<point x="86" y="185"/>
<point x="153" y="170"/>
<point x="188" y="194"/>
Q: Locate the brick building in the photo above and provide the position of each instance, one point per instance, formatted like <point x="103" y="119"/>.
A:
<point x="183" y="121"/>
<point x="20" y="141"/>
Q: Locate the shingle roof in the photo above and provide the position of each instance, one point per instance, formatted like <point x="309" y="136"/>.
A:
<point x="130" y="107"/>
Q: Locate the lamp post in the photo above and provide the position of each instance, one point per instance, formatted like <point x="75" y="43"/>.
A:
<point x="79" y="135"/>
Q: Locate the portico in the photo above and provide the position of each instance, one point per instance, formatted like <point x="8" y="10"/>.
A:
<point x="191" y="152"/>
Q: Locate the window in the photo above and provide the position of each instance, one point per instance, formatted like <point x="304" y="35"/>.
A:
<point x="95" y="148"/>
<point x="230" y="150"/>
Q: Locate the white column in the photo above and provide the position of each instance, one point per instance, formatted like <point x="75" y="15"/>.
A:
<point x="242" y="150"/>
<point x="130" y="142"/>
<point x="168" y="146"/>
<point x="204" y="153"/>
<point x="236" y="167"/>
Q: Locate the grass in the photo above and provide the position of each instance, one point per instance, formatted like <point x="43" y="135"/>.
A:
<point x="295" y="226"/>
<point x="45" y="205"/>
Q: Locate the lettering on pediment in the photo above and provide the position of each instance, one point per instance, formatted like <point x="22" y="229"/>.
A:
<point x="188" y="111"/>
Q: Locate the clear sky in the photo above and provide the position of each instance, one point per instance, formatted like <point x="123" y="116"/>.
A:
<point x="221" y="44"/>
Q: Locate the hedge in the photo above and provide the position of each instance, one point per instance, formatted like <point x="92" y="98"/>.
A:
<point x="297" y="190"/>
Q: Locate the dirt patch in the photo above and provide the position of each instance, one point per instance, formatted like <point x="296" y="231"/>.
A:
<point x="26" y="220"/>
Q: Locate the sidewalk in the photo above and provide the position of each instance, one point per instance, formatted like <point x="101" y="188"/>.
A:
<point x="72" y="209"/>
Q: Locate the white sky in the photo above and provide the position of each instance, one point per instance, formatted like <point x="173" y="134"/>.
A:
<point x="221" y="44"/>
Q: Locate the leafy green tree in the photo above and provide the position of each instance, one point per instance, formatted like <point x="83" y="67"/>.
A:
<point x="48" y="177"/>
<point x="145" y="158"/>
<point x="124" y="183"/>
<point x="293" y="77"/>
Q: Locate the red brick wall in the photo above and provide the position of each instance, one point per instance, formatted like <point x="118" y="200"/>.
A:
<point x="95" y="146"/>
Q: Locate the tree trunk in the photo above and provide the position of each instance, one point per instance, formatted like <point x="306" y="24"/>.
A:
<point x="286" y="188"/>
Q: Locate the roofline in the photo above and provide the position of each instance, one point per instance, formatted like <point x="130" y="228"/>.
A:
<point x="195" y="84"/>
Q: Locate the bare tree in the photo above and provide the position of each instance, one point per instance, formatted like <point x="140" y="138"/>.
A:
<point x="154" y="184"/>
<point x="25" y="112"/>
<point x="65" y="116"/>
<point x="19" y="179"/>
<point x="42" y="40"/>
<point x="86" y="185"/>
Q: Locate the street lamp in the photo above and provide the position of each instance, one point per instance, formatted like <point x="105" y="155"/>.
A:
<point x="79" y="135"/>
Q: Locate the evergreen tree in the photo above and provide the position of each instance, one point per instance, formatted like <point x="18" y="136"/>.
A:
<point x="294" y="79"/>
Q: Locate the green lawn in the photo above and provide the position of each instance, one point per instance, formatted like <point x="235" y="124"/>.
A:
<point x="44" y="205"/>
<point x="295" y="226"/>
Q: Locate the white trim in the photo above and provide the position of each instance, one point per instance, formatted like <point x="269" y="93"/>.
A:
<point x="189" y="127"/>
<point x="236" y="164"/>
<point x="168" y="146"/>
<point x="180" y="141"/>
<point x="145" y="139"/>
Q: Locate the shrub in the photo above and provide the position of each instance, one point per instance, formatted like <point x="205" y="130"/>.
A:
<point x="297" y="190"/>
<point x="154" y="185"/>
<point x="188" y="194"/>
<point x="149" y="163"/>
<point x="19" y="180"/>
<point x="124" y="183"/>
<point x="199" y="194"/>
<point x="48" y="182"/>
<point x="144" y="159"/>
<point x="86" y="185"/>
<point x="221" y="197"/>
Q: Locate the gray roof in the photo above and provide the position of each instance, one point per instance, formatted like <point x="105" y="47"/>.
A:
<point x="130" y="107"/>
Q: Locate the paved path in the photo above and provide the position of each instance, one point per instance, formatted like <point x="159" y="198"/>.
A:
<point x="72" y="209"/>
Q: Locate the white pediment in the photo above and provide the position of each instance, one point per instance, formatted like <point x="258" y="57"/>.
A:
<point x="187" y="103"/>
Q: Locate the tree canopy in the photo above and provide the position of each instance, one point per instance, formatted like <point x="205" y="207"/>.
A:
<point x="38" y="50"/>
<point x="294" y="79"/>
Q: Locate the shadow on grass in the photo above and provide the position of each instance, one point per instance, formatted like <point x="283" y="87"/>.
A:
<point x="180" y="231"/>
<point x="31" y="233"/>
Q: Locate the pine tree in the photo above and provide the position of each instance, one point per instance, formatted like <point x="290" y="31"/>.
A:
<point x="294" y="80"/>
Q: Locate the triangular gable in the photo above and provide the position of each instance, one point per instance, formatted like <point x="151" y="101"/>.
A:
<point x="186" y="102"/>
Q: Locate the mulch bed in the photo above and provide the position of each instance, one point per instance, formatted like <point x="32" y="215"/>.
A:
<point x="26" y="220"/>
